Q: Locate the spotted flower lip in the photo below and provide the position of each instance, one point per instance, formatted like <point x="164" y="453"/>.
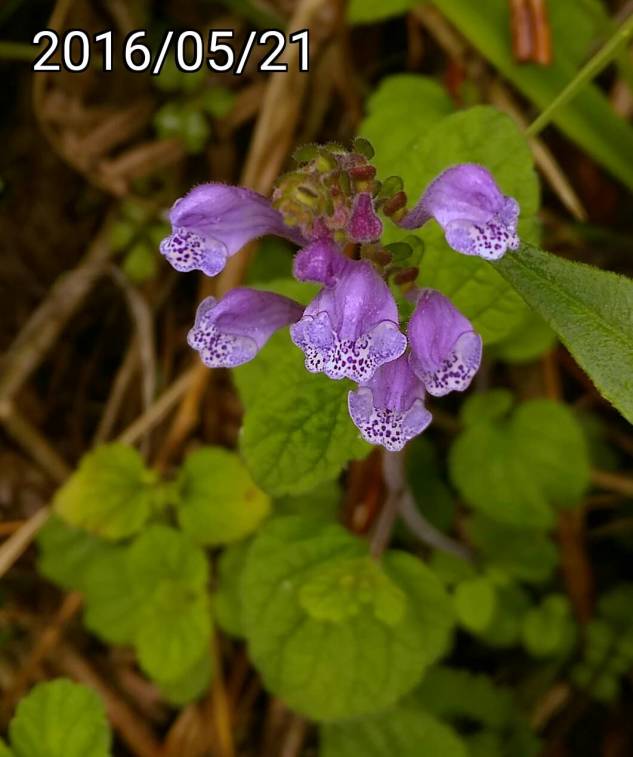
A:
<point x="351" y="327"/>
<point x="231" y="331"/>
<point x="389" y="409"/>
<point x="477" y="218"/>
<point x="214" y="221"/>
<point x="445" y="349"/>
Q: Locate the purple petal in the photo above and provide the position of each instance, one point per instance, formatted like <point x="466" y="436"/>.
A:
<point x="445" y="349"/>
<point x="321" y="261"/>
<point x="350" y="328"/>
<point x="389" y="410"/>
<point x="188" y="251"/>
<point x="214" y="221"/>
<point x="231" y="331"/>
<point x="477" y="218"/>
<point x="364" y="225"/>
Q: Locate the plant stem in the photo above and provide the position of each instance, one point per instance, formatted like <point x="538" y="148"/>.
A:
<point x="591" y="69"/>
<point x="400" y="501"/>
<point x="426" y="531"/>
<point x="393" y="473"/>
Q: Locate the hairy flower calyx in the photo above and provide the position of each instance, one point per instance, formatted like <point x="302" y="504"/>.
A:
<point x="333" y="193"/>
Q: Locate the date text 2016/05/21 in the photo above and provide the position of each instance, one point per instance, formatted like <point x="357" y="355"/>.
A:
<point x="220" y="51"/>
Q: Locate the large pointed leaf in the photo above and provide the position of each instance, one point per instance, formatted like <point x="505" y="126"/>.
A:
<point x="588" y="119"/>
<point x="591" y="310"/>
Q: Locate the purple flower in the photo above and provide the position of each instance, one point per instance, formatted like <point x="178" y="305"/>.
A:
<point x="214" y="221"/>
<point x="351" y="326"/>
<point x="445" y="349"/>
<point x="477" y="218"/>
<point x="389" y="409"/>
<point x="321" y="261"/>
<point x="231" y="331"/>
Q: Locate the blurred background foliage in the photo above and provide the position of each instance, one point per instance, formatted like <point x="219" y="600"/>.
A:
<point x="188" y="556"/>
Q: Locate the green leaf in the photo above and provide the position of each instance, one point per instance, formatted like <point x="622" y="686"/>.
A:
<point x="400" y="112"/>
<point x="589" y="309"/>
<point x="302" y="291"/>
<point x="486" y="406"/>
<point x="297" y="432"/>
<point x="512" y="604"/>
<point x="323" y="660"/>
<point x="432" y="495"/>
<point x="135" y="212"/>
<point x="218" y="101"/>
<point x="175" y="617"/>
<point x="515" y="470"/>
<point x="157" y="232"/>
<point x="227" y="601"/>
<point x="122" y="234"/>
<point x="153" y="594"/>
<point x="323" y="501"/>
<point x="66" y="553"/>
<point x="60" y="719"/>
<point x="405" y="731"/>
<point x="589" y="118"/>
<point x="344" y="587"/>
<point x="189" y="685"/>
<point x="473" y="698"/>
<point x="141" y="262"/>
<point x="195" y="130"/>
<point x="175" y="119"/>
<point x="615" y="606"/>
<point x="602" y="663"/>
<point x="522" y="741"/>
<point x="531" y="339"/>
<point x="475" y="602"/>
<point x="175" y="629"/>
<point x="588" y="19"/>
<point x="548" y="629"/>
<point x="218" y="503"/>
<point x="605" y="688"/>
<point x="368" y="11"/>
<point x="113" y="600"/>
<point x="111" y="494"/>
<point x="450" y="568"/>
<point x="273" y="261"/>
<point x="452" y="693"/>
<point x="485" y="744"/>
<point x="553" y="444"/>
<point x="494" y="480"/>
<point x="601" y="452"/>
<point x="164" y="554"/>
<point x="524" y="554"/>
<point x="5" y="751"/>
